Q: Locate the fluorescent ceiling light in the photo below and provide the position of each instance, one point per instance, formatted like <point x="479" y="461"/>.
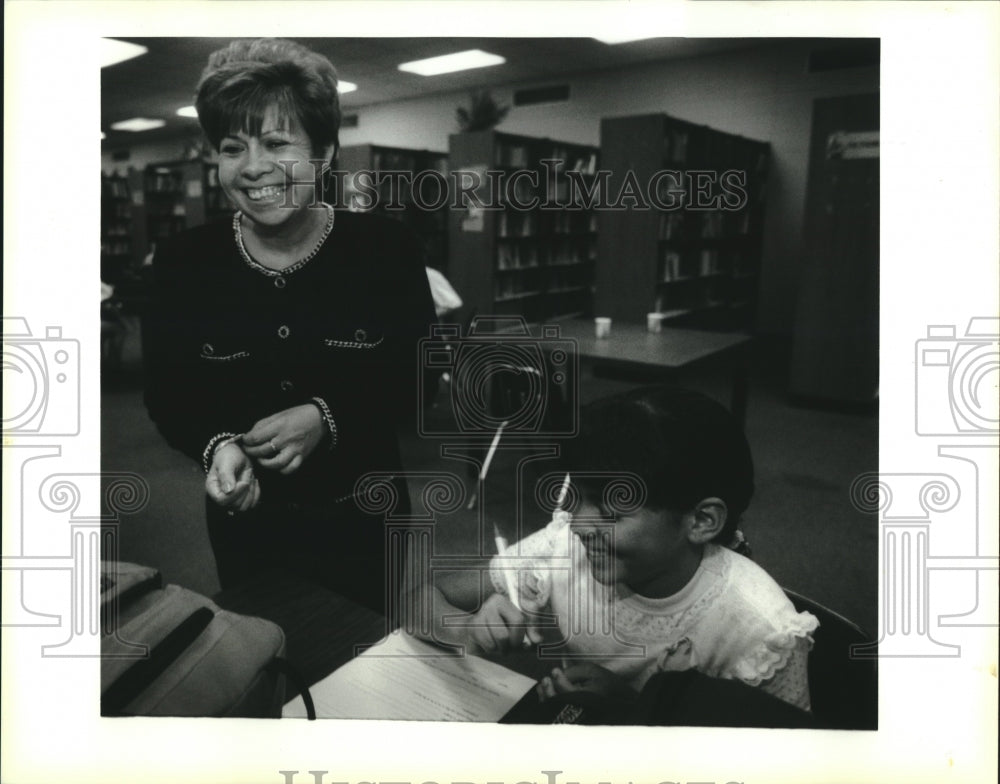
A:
<point x="187" y="111"/>
<point x="345" y="87"/>
<point x="115" y="51"/>
<point x="448" y="63"/>
<point x="622" y="38"/>
<point x="136" y="124"/>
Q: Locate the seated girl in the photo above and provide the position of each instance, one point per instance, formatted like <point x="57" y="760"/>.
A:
<point x="643" y="581"/>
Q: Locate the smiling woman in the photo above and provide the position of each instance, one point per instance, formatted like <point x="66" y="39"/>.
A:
<point x="282" y="350"/>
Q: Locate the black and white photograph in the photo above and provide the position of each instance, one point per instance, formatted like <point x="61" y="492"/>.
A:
<point x="453" y="382"/>
<point x="604" y="307"/>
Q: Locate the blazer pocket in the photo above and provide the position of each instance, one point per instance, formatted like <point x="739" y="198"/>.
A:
<point x="213" y="353"/>
<point x="362" y="338"/>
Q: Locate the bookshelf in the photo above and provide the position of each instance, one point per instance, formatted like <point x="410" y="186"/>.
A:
<point x="430" y="225"/>
<point x="694" y="255"/>
<point x="117" y="252"/>
<point x="180" y="195"/>
<point x="531" y="251"/>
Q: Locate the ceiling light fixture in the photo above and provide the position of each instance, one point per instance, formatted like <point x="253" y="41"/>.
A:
<point x="449" y="63"/>
<point x="137" y="124"/>
<point x="345" y="87"/>
<point x="114" y="51"/>
<point x="622" y="38"/>
<point x="188" y="111"/>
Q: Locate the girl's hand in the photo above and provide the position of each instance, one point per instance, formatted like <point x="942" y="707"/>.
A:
<point x="497" y="627"/>
<point x="230" y="481"/>
<point x="584" y="677"/>
<point x="282" y="441"/>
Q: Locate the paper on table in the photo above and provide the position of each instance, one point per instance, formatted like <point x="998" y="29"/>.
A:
<point x="405" y="678"/>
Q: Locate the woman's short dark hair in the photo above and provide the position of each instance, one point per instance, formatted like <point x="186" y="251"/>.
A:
<point x="684" y="447"/>
<point x="245" y="79"/>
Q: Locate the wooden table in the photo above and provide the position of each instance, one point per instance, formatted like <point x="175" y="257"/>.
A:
<point x="323" y="631"/>
<point x="631" y="347"/>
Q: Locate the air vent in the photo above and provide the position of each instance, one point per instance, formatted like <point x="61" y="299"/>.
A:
<point x="857" y="54"/>
<point x="552" y="94"/>
<point x="349" y="121"/>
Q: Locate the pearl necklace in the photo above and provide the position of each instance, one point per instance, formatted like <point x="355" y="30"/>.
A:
<point x="238" y="231"/>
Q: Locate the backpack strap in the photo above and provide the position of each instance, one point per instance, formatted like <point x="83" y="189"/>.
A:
<point x="286" y="668"/>
<point x="131" y="683"/>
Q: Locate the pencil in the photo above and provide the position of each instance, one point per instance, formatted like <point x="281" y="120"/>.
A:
<point x="508" y="575"/>
<point x="486" y="463"/>
<point x="563" y="492"/>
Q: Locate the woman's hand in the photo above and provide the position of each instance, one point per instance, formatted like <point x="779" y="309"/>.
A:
<point x="584" y="677"/>
<point x="282" y="441"/>
<point x="497" y="627"/>
<point x="231" y="482"/>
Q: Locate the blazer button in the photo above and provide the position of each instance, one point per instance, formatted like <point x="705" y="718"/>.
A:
<point x="287" y="386"/>
<point x="279" y="282"/>
<point x="283" y="332"/>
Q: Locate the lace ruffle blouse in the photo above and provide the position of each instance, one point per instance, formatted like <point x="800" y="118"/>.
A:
<point x="731" y="620"/>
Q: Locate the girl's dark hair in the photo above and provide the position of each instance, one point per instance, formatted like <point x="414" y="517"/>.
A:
<point x="684" y="447"/>
<point x="245" y="79"/>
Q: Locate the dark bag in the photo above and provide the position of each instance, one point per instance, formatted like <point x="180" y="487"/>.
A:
<point x="168" y="651"/>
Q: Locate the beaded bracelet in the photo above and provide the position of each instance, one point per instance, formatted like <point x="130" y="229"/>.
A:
<point x="331" y="424"/>
<point x="215" y="444"/>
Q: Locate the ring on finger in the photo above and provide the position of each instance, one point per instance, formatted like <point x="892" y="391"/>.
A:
<point x="274" y="447"/>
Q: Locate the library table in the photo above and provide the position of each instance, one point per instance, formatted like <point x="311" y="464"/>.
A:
<point x="631" y="348"/>
<point x="324" y="630"/>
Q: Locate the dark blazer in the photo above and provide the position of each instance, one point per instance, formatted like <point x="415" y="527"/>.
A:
<point x="230" y="343"/>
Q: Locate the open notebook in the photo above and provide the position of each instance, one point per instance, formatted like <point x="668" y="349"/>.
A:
<point x="402" y="677"/>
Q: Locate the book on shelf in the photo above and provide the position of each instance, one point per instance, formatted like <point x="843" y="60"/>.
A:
<point x="671" y="267"/>
<point x="671" y="225"/>
<point x="679" y="146"/>
<point x="711" y="225"/>
<point x="709" y="262"/>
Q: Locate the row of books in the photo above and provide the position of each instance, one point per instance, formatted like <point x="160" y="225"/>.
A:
<point x="117" y="230"/>
<point x="114" y="188"/>
<point x="509" y="288"/>
<point x="716" y="224"/>
<point x="118" y="210"/>
<point x="512" y="257"/>
<point x="164" y="181"/>
<point x="516" y="224"/>
<point x="675" y="146"/>
<point x="118" y="247"/>
<point x="709" y="262"/>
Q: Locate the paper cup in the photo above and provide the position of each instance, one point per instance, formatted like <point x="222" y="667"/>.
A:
<point x="654" y="322"/>
<point x="602" y="327"/>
